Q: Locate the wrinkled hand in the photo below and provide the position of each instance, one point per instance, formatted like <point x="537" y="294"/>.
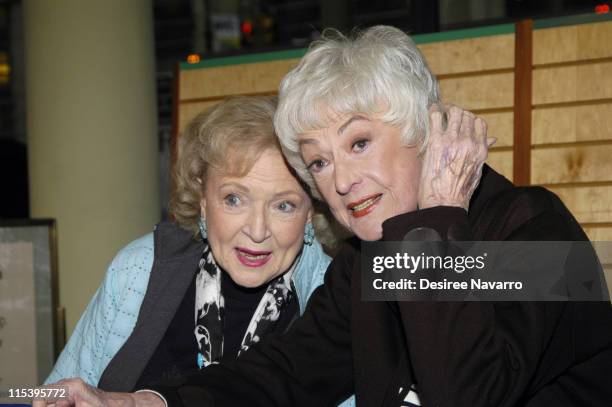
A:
<point x="80" y="394"/>
<point x="453" y="160"/>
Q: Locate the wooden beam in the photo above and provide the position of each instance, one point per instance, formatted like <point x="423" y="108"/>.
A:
<point x="523" y="58"/>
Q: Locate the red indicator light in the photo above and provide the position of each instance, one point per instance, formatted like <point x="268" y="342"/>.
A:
<point x="247" y="27"/>
<point x="602" y="9"/>
<point x="193" y="58"/>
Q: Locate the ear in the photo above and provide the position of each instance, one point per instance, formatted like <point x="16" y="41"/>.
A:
<point x="203" y="207"/>
<point x="309" y="215"/>
<point x="202" y="200"/>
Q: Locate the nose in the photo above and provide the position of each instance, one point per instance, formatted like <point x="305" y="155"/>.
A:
<point x="345" y="177"/>
<point x="256" y="226"/>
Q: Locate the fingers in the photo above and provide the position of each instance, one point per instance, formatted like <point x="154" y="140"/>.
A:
<point x="467" y="127"/>
<point x="455" y="117"/>
<point x="435" y="120"/>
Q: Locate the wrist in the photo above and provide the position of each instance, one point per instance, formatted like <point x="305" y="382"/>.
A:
<point x="432" y="204"/>
<point x="147" y="398"/>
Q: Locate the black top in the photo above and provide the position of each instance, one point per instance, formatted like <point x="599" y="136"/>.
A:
<point x="460" y="353"/>
<point x="176" y="355"/>
<point x="240" y="304"/>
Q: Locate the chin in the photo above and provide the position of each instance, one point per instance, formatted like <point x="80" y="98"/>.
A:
<point x="369" y="234"/>
<point x="245" y="280"/>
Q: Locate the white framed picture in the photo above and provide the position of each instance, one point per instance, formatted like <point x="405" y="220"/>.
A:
<point x="31" y="322"/>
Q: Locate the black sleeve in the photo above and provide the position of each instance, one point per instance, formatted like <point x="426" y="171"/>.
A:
<point x="477" y="353"/>
<point x="311" y="365"/>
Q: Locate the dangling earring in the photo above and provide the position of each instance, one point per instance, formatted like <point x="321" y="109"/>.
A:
<point x="309" y="234"/>
<point x="202" y="226"/>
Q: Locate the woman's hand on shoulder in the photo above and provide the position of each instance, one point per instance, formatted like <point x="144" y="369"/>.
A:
<point x="80" y="394"/>
<point x="453" y="159"/>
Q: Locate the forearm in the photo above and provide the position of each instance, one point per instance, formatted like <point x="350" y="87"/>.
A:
<point x="472" y="353"/>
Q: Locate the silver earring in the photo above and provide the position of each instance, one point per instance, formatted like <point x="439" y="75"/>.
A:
<point x="202" y="226"/>
<point x="309" y="234"/>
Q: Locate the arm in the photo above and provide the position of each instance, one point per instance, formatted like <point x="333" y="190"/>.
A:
<point x="110" y="316"/>
<point x="309" y="366"/>
<point x="476" y="353"/>
<point x="81" y="394"/>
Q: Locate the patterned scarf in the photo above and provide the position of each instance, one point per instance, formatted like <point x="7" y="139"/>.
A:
<point x="209" y="310"/>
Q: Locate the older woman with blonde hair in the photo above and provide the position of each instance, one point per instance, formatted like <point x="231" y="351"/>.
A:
<point x="238" y="262"/>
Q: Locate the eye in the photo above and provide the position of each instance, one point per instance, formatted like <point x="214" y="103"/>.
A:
<point x="316" y="165"/>
<point x="232" y="200"/>
<point x="360" y="145"/>
<point x="286" y="207"/>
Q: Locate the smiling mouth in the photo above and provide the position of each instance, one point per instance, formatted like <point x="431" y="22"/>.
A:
<point x="252" y="258"/>
<point x="364" y="206"/>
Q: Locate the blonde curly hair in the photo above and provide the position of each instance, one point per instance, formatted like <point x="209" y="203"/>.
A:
<point x="229" y="136"/>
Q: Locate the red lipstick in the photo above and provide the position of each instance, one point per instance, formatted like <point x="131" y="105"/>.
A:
<point x="252" y="258"/>
<point x="364" y="206"/>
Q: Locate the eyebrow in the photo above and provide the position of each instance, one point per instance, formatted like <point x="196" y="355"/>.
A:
<point x="340" y="130"/>
<point x="287" y="193"/>
<point x="350" y="121"/>
<point x="234" y="184"/>
<point x="307" y="141"/>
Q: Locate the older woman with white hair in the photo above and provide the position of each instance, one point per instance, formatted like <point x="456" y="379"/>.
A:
<point x="359" y="120"/>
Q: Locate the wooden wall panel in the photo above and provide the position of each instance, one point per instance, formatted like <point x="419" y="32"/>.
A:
<point x="572" y="83"/>
<point x="572" y="43"/>
<point x="470" y="55"/>
<point x="608" y="277"/>
<point x="589" y="204"/>
<point x="599" y="233"/>
<point x="500" y="125"/>
<point x="188" y="111"/>
<point x="477" y="74"/>
<point x="604" y="252"/>
<point x="479" y="92"/>
<point x="571" y="164"/>
<point x="571" y="124"/>
<point x="501" y="161"/>
<point x="253" y="78"/>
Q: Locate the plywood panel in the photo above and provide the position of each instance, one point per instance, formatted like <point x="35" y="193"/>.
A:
<point x="604" y="252"/>
<point x="260" y="77"/>
<point x="608" y="276"/>
<point x="573" y="123"/>
<point x="469" y="55"/>
<point x="587" y="203"/>
<point x="501" y="161"/>
<point x="479" y="92"/>
<point x="500" y="125"/>
<point x="599" y="233"/>
<point x="572" y="83"/>
<point x="188" y="111"/>
<point x="571" y="164"/>
<point x="579" y="42"/>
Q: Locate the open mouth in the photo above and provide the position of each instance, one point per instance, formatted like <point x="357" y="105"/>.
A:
<point x="364" y="206"/>
<point x="252" y="258"/>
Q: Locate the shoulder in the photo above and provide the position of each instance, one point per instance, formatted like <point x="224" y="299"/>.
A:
<point x="534" y="207"/>
<point x="310" y="271"/>
<point x="141" y="247"/>
<point x="132" y="264"/>
<point x="530" y="202"/>
<point x="345" y="260"/>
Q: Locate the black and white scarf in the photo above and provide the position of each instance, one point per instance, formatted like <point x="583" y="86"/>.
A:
<point x="209" y="310"/>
